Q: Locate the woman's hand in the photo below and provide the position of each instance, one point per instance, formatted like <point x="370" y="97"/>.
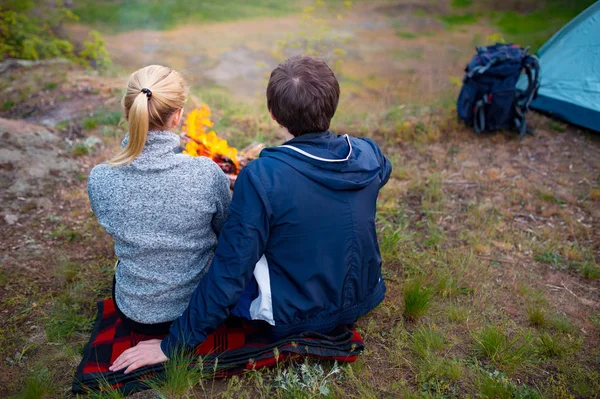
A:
<point x="143" y="354"/>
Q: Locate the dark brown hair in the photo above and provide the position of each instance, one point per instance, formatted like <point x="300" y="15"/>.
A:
<point x="303" y="94"/>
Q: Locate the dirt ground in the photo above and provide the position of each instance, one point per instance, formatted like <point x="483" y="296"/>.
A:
<point x="526" y="211"/>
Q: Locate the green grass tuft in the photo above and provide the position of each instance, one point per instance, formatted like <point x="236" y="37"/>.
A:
<point x="50" y="85"/>
<point x="425" y="341"/>
<point x="106" y="392"/>
<point x="38" y="385"/>
<point x="66" y="320"/>
<point x="496" y="385"/>
<point x="417" y="299"/>
<point x="8" y="104"/>
<point x="548" y="347"/>
<point x="492" y="343"/>
<point x="536" y="315"/>
<point x="181" y="374"/>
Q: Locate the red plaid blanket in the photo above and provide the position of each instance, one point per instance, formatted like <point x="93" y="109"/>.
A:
<point x="233" y="348"/>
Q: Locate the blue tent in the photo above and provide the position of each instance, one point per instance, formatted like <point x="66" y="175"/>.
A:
<point x="570" y="65"/>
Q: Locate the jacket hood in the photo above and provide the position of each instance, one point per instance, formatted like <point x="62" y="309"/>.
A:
<point x="332" y="160"/>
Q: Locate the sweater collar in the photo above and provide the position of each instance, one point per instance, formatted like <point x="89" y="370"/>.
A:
<point x="158" y="143"/>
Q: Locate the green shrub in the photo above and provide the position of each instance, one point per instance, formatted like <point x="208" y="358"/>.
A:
<point x="32" y="35"/>
<point x="94" y="51"/>
<point x="31" y="31"/>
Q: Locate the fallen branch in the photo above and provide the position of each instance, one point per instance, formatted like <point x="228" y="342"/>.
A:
<point x="462" y="183"/>
<point x="514" y="262"/>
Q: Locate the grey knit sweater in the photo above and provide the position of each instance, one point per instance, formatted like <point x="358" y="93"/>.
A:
<point x="164" y="212"/>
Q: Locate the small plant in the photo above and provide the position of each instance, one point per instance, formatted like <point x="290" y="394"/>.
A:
<point x="561" y="323"/>
<point x="64" y="321"/>
<point x="50" y="85"/>
<point x="38" y="385"/>
<point x="548" y="347"/>
<point x="65" y="233"/>
<point x="491" y="342"/>
<point x="590" y="270"/>
<point x="551" y="258"/>
<point x="417" y="299"/>
<point x="556" y="126"/>
<point x="458" y="313"/>
<point x="496" y="385"/>
<point x="389" y="243"/>
<point x="307" y="381"/>
<point x="106" y="391"/>
<point x="8" y="105"/>
<point x="80" y="149"/>
<point x="536" y="315"/>
<point x="70" y="270"/>
<point x="181" y="373"/>
<point x="435" y="235"/>
<point x="425" y="340"/>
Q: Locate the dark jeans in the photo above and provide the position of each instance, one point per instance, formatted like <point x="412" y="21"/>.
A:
<point x="150" y="329"/>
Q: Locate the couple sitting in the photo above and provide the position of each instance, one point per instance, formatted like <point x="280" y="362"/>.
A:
<point x="296" y="248"/>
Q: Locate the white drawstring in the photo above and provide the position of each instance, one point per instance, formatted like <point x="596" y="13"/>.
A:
<point x="298" y="150"/>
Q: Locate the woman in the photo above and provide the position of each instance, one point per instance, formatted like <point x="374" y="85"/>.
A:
<point x="164" y="210"/>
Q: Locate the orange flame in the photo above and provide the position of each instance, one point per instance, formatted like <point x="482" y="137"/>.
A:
<point x="208" y="144"/>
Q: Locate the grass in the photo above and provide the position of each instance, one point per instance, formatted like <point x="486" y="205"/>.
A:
<point x="417" y="299"/>
<point x="157" y="15"/>
<point x="535" y="28"/>
<point x="494" y="344"/>
<point x="475" y="250"/>
<point x="549" y="347"/>
<point x="454" y="20"/>
<point x="66" y="320"/>
<point x="103" y="118"/>
<point x="407" y="34"/>
<point x="495" y="385"/>
<point x="38" y="385"/>
<point x="537" y="316"/>
<point x="531" y="28"/>
<point x="181" y="374"/>
<point x="427" y="340"/>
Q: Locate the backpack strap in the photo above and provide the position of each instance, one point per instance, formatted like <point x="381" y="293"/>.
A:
<point x="523" y="99"/>
<point x="479" y="114"/>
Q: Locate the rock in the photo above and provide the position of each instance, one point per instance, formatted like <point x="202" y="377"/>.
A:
<point x="11" y="219"/>
<point x="31" y="157"/>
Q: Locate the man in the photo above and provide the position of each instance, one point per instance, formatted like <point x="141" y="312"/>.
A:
<point x="299" y="249"/>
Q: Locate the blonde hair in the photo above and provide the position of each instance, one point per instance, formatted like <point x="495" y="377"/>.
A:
<point x="154" y="93"/>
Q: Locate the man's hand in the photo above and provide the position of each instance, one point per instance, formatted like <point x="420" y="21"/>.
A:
<point x="143" y="354"/>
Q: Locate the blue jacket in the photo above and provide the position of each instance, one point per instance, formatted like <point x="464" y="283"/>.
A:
<point x="299" y="248"/>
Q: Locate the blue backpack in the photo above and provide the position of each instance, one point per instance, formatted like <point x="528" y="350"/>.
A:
<point x="489" y="99"/>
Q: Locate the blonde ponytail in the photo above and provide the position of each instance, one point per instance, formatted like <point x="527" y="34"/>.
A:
<point x="154" y="93"/>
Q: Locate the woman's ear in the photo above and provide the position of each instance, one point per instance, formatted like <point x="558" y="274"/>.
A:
<point x="272" y="116"/>
<point x="176" y="118"/>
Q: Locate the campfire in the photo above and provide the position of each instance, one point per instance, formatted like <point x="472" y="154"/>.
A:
<point x="208" y="144"/>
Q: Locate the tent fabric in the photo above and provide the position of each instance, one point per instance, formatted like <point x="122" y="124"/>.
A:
<point x="570" y="65"/>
